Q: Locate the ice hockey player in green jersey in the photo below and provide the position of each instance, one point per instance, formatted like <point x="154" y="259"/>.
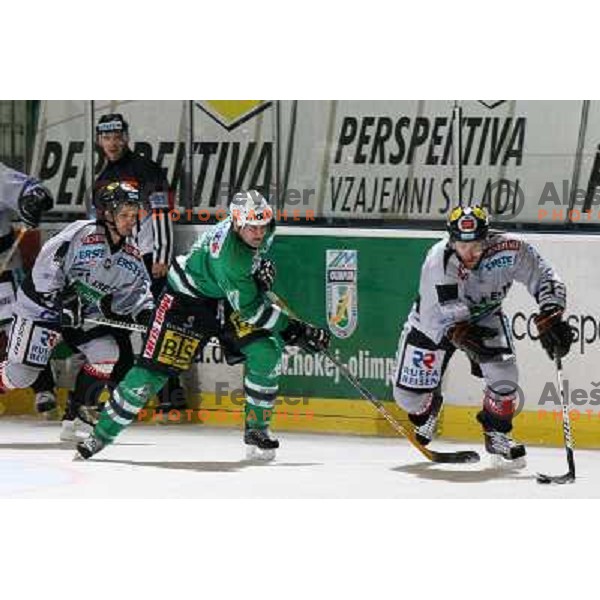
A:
<point x="218" y="289"/>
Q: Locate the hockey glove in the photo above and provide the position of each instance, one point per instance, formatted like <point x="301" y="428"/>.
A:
<point x="71" y="310"/>
<point x="265" y="274"/>
<point x="556" y="335"/>
<point x="470" y="338"/>
<point x="305" y="336"/>
<point x="35" y="199"/>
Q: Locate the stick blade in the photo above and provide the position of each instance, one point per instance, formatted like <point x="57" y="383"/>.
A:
<point x="460" y="457"/>
<point x="557" y="479"/>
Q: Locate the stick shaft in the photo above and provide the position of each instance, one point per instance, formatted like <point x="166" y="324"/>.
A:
<point x="567" y="434"/>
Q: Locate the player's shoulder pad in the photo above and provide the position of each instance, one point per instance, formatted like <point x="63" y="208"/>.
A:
<point x="84" y="229"/>
<point x="438" y="250"/>
<point x="73" y="233"/>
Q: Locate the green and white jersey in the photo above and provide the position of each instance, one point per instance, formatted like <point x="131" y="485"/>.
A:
<point x="220" y="265"/>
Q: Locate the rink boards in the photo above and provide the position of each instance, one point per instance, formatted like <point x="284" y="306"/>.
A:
<point x="361" y="284"/>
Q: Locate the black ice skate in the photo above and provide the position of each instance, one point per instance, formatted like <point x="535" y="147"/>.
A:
<point x="87" y="448"/>
<point x="259" y="444"/>
<point x="504" y="450"/>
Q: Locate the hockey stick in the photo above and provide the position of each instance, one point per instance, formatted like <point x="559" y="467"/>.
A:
<point x="135" y="327"/>
<point x="11" y="251"/>
<point x="569" y="476"/>
<point x="117" y="324"/>
<point x="461" y="456"/>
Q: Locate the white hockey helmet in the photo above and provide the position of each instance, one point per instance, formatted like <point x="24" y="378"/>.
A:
<point x="250" y="208"/>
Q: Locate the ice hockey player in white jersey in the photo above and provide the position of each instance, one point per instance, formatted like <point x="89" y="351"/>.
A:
<point x="25" y="197"/>
<point x="464" y="280"/>
<point x="90" y="269"/>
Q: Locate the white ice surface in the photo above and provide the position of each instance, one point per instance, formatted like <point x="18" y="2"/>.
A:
<point x="154" y="461"/>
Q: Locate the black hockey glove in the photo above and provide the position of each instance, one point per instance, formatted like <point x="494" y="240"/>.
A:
<point x="35" y="199"/>
<point x="108" y="313"/>
<point x="470" y="338"/>
<point x="305" y="336"/>
<point x="71" y="309"/>
<point x="556" y="335"/>
<point x="265" y="274"/>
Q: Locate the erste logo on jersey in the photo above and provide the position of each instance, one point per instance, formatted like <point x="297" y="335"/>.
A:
<point x="498" y="262"/>
<point x="129" y="265"/>
<point x="341" y="281"/>
<point x="89" y="255"/>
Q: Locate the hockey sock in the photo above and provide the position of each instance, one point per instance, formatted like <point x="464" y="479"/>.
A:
<point x="420" y="418"/>
<point x="498" y="411"/>
<point x="263" y="364"/>
<point x="45" y="381"/>
<point x="260" y="400"/>
<point x="127" y="400"/>
<point x="90" y="383"/>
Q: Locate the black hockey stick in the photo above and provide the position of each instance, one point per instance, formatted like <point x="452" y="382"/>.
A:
<point x="461" y="456"/>
<point x="569" y="476"/>
<point x="128" y="326"/>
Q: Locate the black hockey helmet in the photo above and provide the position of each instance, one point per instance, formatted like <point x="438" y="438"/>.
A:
<point x="112" y="197"/>
<point x="113" y="122"/>
<point x="468" y="223"/>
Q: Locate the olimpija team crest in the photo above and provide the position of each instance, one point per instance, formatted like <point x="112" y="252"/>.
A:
<point x="342" y="291"/>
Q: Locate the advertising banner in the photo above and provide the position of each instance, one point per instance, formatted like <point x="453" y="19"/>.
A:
<point x="390" y="161"/>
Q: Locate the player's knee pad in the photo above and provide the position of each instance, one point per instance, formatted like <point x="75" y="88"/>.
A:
<point x="263" y="358"/>
<point x="140" y="384"/>
<point x="17" y="376"/>
<point x="501" y="375"/>
<point x="412" y="401"/>
<point x="101" y="351"/>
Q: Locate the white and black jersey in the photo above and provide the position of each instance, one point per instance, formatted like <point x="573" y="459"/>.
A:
<point x="82" y="259"/>
<point x="450" y="293"/>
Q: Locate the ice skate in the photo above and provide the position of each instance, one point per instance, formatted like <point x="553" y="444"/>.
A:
<point x="260" y="445"/>
<point x="75" y="430"/>
<point x="45" y="402"/>
<point x="504" y="451"/>
<point x="88" y="447"/>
